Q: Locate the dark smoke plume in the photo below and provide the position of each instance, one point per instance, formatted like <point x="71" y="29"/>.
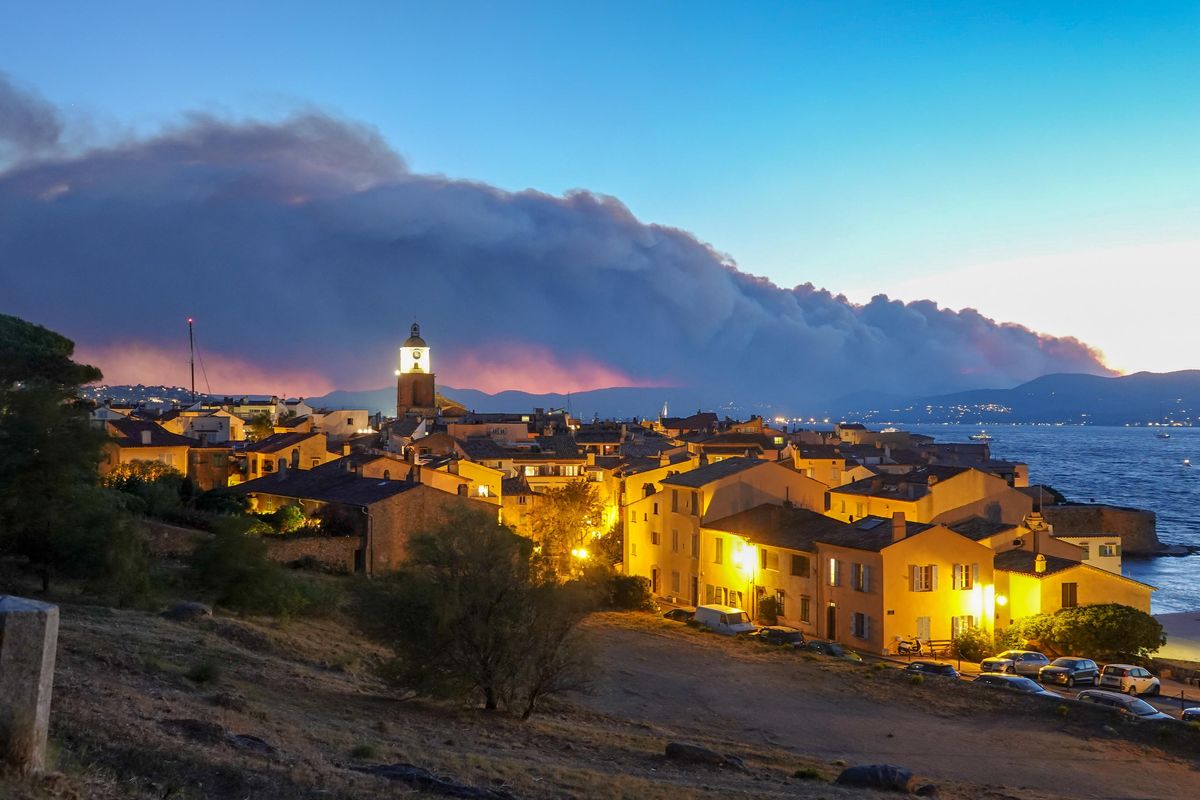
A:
<point x="308" y="247"/>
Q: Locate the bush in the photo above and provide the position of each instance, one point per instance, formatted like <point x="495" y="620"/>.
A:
<point x="233" y="565"/>
<point x="807" y="774"/>
<point x="223" y="502"/>
<point x="364" y="752"/>
<point x="974" y="644"/>
<point x="205" y="672"/>
<point x="191" y="518"/>
<point x="916" y="680"/>
<point x="1062" y="711"/>
<point x="629" y="593"/>
<point x="768" y="610"/>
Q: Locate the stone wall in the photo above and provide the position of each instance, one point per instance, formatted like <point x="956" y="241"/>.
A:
<point x="1137" y="528"/>
<point x="334" y="552"/>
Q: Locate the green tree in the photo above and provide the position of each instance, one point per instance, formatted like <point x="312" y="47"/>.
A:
<point x="466" y="616"/>
<point x="566" y="521"/>
<point x="1104" y="631"/>
<point x="158" y="487"/>
<point x="52" y="509"/>
<point x="259" y="427"/>
<point x="234" y="567"/>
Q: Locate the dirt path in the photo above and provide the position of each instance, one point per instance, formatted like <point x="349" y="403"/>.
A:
<point x="671" y="675"/>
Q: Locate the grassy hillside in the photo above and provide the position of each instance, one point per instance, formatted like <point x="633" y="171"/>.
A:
<point x="235" y="708"/>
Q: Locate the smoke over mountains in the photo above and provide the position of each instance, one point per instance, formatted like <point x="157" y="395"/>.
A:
<point x="305" y="248"/>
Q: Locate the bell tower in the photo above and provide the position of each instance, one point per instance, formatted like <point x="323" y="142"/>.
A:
<point x="415" y="390"/>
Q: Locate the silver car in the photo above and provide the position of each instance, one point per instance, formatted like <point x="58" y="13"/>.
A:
<point x="1132" y="706"/>
<point x="1015" y="662"/>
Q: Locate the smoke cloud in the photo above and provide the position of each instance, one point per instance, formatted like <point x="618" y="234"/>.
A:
<point x="307" y="247"/>
<point x="28" y="124"/>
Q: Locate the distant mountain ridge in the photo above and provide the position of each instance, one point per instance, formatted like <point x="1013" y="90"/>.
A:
<point x="1140" y="398"/>
<point x="611" y="403"/>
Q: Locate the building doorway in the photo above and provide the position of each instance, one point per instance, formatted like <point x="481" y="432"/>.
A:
<point x="831" y="622"/>
<point x="924" y="629"/>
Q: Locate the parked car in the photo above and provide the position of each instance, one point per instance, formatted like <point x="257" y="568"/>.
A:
<point x="835" y="650"/>
<point x="724" y="620"/>
<point x="1191" y="714"/>
<point x="1132" y="706"/>
<point x="1132" y="680"/>
<point x="1015" y="662"/>
<point x="932" y="668"/>
<point x="1070" y="671"/>
<point x="780" y="635"/>
<point x="1017" y="682"/>
<point x="680" y="615"/>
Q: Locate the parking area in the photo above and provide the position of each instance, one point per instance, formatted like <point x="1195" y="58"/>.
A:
<point x="1173" y="696"/>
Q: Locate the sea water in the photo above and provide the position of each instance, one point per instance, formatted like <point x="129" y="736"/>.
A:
<point x="1121" y="466"/>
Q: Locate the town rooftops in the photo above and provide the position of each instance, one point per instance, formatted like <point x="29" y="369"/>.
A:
<point x="908" y="486"/>
<point x="511" y="487"/>
<point x="851" y="426"/>
<point x="328" y="485"/>
<point x="781" y="526"/>
<point x="701" y="420"/>
<point x="871" y="533"/>
<point x="980" y="528"/>
<point x="279" y="441"/>
<point x="293" y="422"/>
<point x="708" y="473"/>
<point x="1025" y="562"/>
<point x="143" y="433"/>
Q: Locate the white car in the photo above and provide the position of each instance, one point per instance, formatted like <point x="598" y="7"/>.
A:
<point x="1130" y="679"/>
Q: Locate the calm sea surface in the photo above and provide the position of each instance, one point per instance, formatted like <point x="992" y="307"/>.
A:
<point x="1122" y="466"/>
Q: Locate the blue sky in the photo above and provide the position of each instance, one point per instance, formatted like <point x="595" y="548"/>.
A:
<point x="914" y="149"/>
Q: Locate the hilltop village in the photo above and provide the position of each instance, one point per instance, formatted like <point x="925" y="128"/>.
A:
<point x="860" y="536"/>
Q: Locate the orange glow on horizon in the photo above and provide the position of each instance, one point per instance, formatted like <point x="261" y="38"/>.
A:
<point x="151" y="365"/>
<point x="531" y="368"/>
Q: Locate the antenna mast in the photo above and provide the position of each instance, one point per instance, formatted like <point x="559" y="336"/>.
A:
<point x="192" y="350"/>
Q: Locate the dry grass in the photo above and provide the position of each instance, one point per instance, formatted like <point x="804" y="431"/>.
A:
<point x="130" y="720"/>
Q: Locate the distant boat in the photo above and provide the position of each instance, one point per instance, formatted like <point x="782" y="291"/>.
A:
<point x="982" y="436"/>
<point x="1162" y="435"/>
<point x="890" y="430"/>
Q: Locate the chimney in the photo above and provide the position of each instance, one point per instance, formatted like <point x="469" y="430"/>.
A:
<point x="1039" y="564"/>
<point x="146" y="437"/>
<point x="899" y="526"/>
<point x="345" y="448"/>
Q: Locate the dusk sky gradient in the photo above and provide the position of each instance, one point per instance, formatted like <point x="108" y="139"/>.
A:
<point x="1037" y="162"/>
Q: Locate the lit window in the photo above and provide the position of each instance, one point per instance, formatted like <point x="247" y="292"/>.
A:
<point x="923" y="578"/>
<point x="718" y="550"/>
<point x="1110" y="550"/>
<point x="965" y="576"/>
<point x="835" y="572"/>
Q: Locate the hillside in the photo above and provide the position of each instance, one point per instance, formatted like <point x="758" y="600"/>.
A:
<point x="292" y="711"/>
<point x="1072" y="398"/>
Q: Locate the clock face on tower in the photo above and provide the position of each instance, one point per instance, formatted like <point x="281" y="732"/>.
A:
<point x="417" y="354"/>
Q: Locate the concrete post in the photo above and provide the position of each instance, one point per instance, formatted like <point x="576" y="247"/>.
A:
<point x="28" y="641"/>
